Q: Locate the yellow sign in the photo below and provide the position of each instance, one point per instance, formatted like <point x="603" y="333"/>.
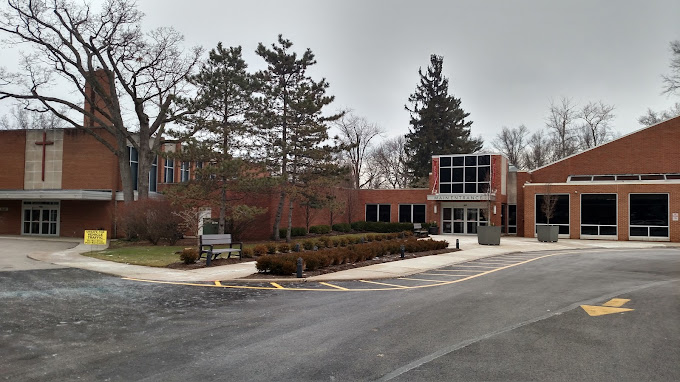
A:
<point x="612" y="306"/>
<point x="95" y="237"/>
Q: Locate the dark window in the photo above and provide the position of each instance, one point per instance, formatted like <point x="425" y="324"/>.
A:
<point x="405" y="213"/>
<point x="482" y="188"/>
<point x="483" y="174"/>
<point x="457" y="174"/>
<point x="604" y="177"/>
<point x="581" y="178"/>
<point x="561" y="214"/>
<point x="169" y="171"/>
<point x="471" y="160"/>
<point x="384" y="213"/>
<point x="458" y="161"/>
<point x="470" y="174"/>
<point x="419" y="213"/>
<point x="371" y="212"/>
<point x="628" y="177"/>
<point x="652" y="177"/>
<point x="658" y="231"/>
<point x="470" y="188"/>
<point x="445" y="175"/>
<point x="445" y="188"/>
<point x="649" y="209"/>
<point x="457" y="188"/>
<point x="445" y="161"/>
<point x="153" y="176"/>
<point x="598" y="209"/>
<point x="672" y="176"/>
<point x="484" y="160"/>
<point x="589" y="230"/>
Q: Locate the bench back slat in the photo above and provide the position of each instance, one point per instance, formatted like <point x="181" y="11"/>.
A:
<point x="417" y="226"/>
<point x="224" y="238"/>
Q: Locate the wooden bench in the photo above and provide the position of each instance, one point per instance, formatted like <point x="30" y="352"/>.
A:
<point x="207" y="245"/>
<point x="418" y="230"/>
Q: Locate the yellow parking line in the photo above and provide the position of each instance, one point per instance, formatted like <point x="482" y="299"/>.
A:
<point x="392" y="285"/>
<point x="277" y="286"/>
<point x="218" y="283"/>
<point x="333" y="286"/>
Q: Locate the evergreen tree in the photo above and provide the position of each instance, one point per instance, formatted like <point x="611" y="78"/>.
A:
<point x="224" y="96"/>
<point x="288" y="125"/>
<point x="438" y="123"/>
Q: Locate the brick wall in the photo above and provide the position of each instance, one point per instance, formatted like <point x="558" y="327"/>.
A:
<point x="87" y="163"/>
<point x="76" y="216"/>
<point x="12" y="157"/>
<point x="10" y="220"/>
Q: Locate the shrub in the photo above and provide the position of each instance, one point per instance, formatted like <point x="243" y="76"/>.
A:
<point x="294" y="231"/>
<point x="189" y="255"/>
<point x="343" y="241"/>
<point x="342" y="227"/>
<point x="151" y="220"/>
<point x="308" y="245"/>
<point x="382" y="227"/>
<point x="247" y="253"/>
<point x="284" y="247"/>
<point x="271" y="248"/>
<point x="320" y="229"/>
<point x="259" y="250"/>
<point x="326" y="241"/>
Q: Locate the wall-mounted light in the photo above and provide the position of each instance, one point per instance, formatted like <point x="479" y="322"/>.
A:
<point x="435" y="209"/>
<point x="494" y="210"/>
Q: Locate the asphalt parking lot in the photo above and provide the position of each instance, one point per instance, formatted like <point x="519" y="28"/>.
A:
<point x="521" y="323"/>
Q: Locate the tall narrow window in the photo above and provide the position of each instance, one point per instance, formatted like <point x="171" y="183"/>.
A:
<point x="649" y="216"/>
<point x="153" y="176"/>
<point x="169" y="171"/>
<point x="184" y="172"/>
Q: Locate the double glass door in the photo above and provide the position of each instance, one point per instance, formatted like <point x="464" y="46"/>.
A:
<point x="463" y="220"/>
<point x="40" y="218"/>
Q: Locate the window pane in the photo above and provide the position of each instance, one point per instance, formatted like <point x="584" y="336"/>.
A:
<point x="580" y="178"/>
<point x="445" y="161"/>
<point x="404" y="213"/>
<point x="470" y="174"/>
<point x="564" y="230"/>
<point x="27" y="227"/>
<point x="46" y="215"/>
<point x="608" y="230"/>
<point x="512" y="214"/>
<point x="45" y="228"/>
<point x="471" y="160"/>
<point x="458" y="213"/>
<point x="603" y="177"/>
<point x="419" y="213"/>
<point x="27" y="215"/>
<point x="484" y="160"/>
<point x="628" y="177"/>
<point x="471" y="227"/>
<point x="371" y="212"/>
<point x="472" y="214"/>
<point x="638" y="231"/>
<point x="561" y="214"/>
<point x="652" y="177"/>
<point x="445" y="175"/>
<point x="35" y="215"/>
<point x="589" y="230"/>
<point x="512" y="229"/>
<point x="470" y="188"/>
<point x="598" y="209"/>
<point x="458" y="161"/>
<point x="483" y="174"/>
<point x="457" y="188"/>
<point x="649" y="209"/>
<point x="483" y="187"/>
<point x="384" y="213"/>
<point x="447" y="214"/>
<point x="457" y="174"/>
<point x="445" y="188"/>
<point x="658" y="231"/>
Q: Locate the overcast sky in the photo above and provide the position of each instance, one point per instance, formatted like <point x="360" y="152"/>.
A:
<point x="504" y="59"/>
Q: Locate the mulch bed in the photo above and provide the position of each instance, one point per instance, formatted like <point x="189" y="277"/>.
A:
<point x="323" y="271"/>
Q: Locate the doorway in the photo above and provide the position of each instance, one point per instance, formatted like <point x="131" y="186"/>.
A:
<point x="40" y="218"/>
<point x="463" y="220"/>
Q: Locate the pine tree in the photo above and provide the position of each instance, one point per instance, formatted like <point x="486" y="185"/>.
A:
<point x="438" y="123"/>
<point x="288" y="123"/>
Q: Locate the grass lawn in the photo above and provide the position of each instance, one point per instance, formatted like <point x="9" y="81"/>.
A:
<point x="152" y="255"/>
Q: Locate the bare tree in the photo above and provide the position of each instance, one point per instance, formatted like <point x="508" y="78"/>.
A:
<point x="511" y="142"/>
<point x="561" y="126"/>
<point x="389" y="162"/>
<point x="356" y="134"/>
<point x="595" y="126"/>
<point x="672" y="80"/>
<point x="652" y="117"/>
<point x="537" y="153"/>
<point x="104" y="58"/>
<point x="31" y="120"/>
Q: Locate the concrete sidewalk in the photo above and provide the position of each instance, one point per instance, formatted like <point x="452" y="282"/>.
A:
<point x="470" y="250"/>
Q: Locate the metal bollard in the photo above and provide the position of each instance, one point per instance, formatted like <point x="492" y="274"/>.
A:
<point x="457" y="244"/>
<point x="297" y="247"/>
<point x="299" y="268"/>
<point x="207" y="259"/>
<point x="402" y="248"/>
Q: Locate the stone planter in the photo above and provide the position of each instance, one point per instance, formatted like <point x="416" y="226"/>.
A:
<point x="489" y="235"/>
<point x="433" y="230"/>
<point x="547" y="233"/>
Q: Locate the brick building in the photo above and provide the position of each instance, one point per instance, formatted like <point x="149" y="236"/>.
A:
<point x="62" y="182"/>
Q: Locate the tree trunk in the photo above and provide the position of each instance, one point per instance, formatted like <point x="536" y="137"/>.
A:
<point x="126" y="175"/>
<point x="290" y="222"/>
<point x="279" y="212"/>
<point x="222" y="221"/>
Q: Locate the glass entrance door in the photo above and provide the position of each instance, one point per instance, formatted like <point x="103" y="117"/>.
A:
<point x="40" y="218"/>
<point x="463" y="220"/>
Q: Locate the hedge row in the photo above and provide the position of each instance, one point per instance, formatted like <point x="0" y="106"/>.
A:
<point x="381" y="227"/>
<point x="286" y="264"/>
